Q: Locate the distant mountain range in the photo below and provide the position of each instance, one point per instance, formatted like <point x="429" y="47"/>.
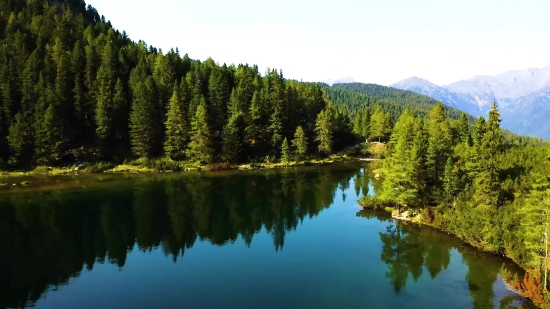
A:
<point x="342" y="80"/>
<point x="523" y="97"/>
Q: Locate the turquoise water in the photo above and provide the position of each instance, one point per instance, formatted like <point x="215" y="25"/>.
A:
<point x="259" y="239"/>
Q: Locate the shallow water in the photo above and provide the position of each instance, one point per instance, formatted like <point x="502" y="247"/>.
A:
<point x="290" y="238"/>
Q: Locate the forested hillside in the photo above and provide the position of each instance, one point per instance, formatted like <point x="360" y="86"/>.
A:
<point x="73" y="85"/>
<point x="355" y="97"/>
<point x="495" y="196"/>
<point x="74" y="88"/>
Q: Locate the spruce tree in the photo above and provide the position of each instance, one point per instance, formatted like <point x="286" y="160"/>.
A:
<point x="276" y="129"/>
<point x="400" y="182"/>
<point x="323" y="128"/>
<point x="487" y="182"/>
<point x="253" y="130"/>
<point x="49" y="143"/>
<point x="450" y="178"/>
<point x="464" y="130"/>
<point x="145" y="129"/>
<point x="177" y="127"/>
<point x="300" y="143"/>
<point x="200" y="146"/>
<point x="285" y="151"/>
<point x="535" y="220"/>
<point x="233" y="133"/>
<point x="19" y="140"/>
<point x="439" y="143"/>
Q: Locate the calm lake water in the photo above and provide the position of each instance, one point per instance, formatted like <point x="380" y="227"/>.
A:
<point x="261" y="239"/>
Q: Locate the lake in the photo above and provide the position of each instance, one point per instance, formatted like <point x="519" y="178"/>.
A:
<point x="292" y="238"/>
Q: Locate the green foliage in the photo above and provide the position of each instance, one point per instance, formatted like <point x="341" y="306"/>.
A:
<point x="323" y="128"/>
<point x="145" y="130"/>
<point x="200" y="146"/>
<point x="233" y="142"/>
<point x="177" y="126"/>
<point x="300" y="143"/>
<point x="285" y="151"/>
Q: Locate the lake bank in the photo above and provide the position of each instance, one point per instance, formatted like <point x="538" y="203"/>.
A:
<point x="528" y="287"/>
<point x="57" y="179"/>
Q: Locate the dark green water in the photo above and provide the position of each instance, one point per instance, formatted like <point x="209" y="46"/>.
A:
<point x="262" y="239"/>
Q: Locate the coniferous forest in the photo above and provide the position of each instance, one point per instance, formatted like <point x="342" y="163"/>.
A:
<point x="470" y="182"/>
<point x="74" y="88"/>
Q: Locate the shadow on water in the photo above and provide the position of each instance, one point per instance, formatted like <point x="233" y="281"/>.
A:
<point x="47" y="239"/>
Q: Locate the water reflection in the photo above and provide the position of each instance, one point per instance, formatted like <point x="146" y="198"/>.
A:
<point x="47" y="239"/>
<point x="408" y="251"/>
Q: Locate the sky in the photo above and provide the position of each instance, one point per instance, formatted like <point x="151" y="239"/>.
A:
<point x="382" y="41"/>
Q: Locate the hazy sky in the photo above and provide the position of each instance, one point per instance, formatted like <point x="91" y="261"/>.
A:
<point x="380" y="41"/>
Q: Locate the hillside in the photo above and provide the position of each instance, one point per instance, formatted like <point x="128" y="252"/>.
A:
<point x="522" y="97"/>
<point x="418" y="103"/>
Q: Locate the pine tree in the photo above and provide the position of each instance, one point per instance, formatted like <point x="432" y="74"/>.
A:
<point x="19" y="140"/>
<point x="145" y="130"/>
<point x="276" y="129"/>
<point x="200" y="146"/>
<point x="439" y="143"/>
<point x="323" y="128"/>
<point x="177" y="126"/>
<point x="285" y="150"/>
<point x="464" y="130"/>
<point x="380" y="124"/>
<point x="535" y="218"/>
<point x="49" y="142"/>
<point x="233" y="133"/>
<point x="121" y="110"/>
<point x="450" y="178"/>
<point x="400" y="183"/>
<point x="300" y="143"/>
<point x="253" y="130"/>
<point x="487" y="182"/>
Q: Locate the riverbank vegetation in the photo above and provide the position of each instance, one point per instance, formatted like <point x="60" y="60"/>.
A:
<point x="492" y="194"/>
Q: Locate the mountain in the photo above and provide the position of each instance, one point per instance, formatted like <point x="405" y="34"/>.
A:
<point x="523" y="97"/>
<point x="391" y="99"/>
<point x="342" y="80"/>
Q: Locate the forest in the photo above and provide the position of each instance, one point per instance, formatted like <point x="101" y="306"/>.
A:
<point x="470" y="182"/>
<point x="73" y="88"/>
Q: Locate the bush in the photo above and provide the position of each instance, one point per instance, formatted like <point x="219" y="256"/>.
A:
<point x="164" y="164"/>
<point x="100" y="167"/>
<point x="371" y="202"/>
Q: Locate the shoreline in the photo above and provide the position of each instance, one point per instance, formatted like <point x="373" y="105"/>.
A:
<point x="66" y="178"/>
<point x="422" y="224"/>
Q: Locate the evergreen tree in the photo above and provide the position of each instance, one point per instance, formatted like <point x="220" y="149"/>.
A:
<point x="145" y="130"/>
<point x="535" y="219"/>
<point x="285" y="150"/>
<point x="450" y="178"/>
<point x="200" y="146"/>
<point x="253" y="129"/>
<point x="464" y="130"/>
<point x="49" y="142"/>
<point x="233" y="133"/>
<point x="177" y="126"/>
<point x="300" y="143"/>
<point x="400" y="182"/>
<point x="19" y="140"/>
<point x="380" y="124"/>
<point x="323" y="128"/>
<point x="439" y="143"/>
<point x="276" y="129"/>
<point x="487" y="181"/>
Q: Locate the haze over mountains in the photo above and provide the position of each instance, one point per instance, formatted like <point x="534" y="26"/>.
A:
<point x="523" y="97"/>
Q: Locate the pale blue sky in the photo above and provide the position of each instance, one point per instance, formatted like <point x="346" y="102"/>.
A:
<point x="381" y="41"/>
